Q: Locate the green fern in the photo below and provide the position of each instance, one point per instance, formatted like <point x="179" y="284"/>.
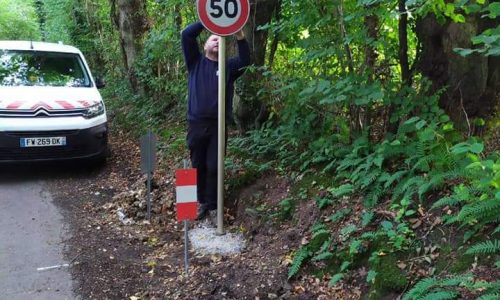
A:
<point x="335" y="279"/>
<point x="484" y="211"/>
<point x="373" y="196"/>
<point x="367" y="217"/>
<point x="319" y="236"/>
<point x="348" y="230"/>
<point x="323" y="256"/>
<point x="464" y="280"/>
<point x="355" y="247"/>
<point x="342" y="190"/>
<point x="369" y="178"/>
<point x="340" y="214"/>
<point x="431" y="288"/>
<point x="440" y="295"/>
<point x="446" y="201"/>
<point x="492" y="290"/>
<point x="348" y="163"/>
<point x="323" y="202"/>
<point x="423" y="164"/>
<point x="420" y="288"/>
<point x="497" y="230"/>
<point x="317" y="227"/>
<point x="495" y="296"/>
<point x="403" y="186"/>
<point x="298" y="260"/>
<point x="324" y="252"/>
<point x="370" y="235"/>
<point x="437" y="179"/>
<point x="408" y="187"/>
<point x="394" y="178"/>
<point x="485" y="247"/>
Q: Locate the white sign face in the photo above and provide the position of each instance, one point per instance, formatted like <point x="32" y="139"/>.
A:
<point x="223" y="13"/>
<point x="223" y="17"/>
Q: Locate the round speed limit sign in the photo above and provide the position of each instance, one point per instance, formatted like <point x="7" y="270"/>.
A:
<point x="223" y="17"/>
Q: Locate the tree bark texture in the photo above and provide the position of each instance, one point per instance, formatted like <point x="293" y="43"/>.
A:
<point x="371" y="24"/>
<point x="403" y="43"/>
<point x="471" y="83"/>
<point x="403" y="61"/>
<point x="250" y="111"/>
<point x="129" y="17"/>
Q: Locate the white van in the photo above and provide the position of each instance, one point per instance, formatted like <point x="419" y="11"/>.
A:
<point x="50" y="108"/>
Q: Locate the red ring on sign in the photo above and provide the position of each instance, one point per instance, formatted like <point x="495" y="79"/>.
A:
<point x="219" y="30"/>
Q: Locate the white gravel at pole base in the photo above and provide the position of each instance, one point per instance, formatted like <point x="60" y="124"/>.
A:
<point x="204" y="239"/>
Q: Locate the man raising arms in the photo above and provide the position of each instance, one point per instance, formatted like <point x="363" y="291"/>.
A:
<point x="202" y="136"/>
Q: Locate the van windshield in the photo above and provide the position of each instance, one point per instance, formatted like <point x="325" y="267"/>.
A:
<point x="35" y="68"/>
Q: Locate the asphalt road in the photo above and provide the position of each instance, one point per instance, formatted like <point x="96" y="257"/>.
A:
<point x="32" y="232"/>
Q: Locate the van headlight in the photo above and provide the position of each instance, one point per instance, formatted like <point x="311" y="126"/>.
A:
<point x="94" y="110"/>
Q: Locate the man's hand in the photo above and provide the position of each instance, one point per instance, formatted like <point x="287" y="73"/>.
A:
<point x="239" y="35"/>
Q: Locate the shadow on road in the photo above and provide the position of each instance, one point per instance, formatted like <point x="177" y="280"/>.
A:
<point x="49" y="170"/>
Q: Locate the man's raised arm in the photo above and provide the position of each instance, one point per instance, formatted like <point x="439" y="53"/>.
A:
<point x="190" y="45"/>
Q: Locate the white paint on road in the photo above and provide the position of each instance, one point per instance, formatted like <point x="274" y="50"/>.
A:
<point x="31" y="236"/>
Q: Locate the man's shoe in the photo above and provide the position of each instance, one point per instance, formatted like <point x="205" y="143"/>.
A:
<point x="202" y="212"/>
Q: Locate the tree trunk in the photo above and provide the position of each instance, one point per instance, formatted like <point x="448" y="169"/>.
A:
<point x="403" y="43"/>
<point x="42" y="17"/>
<point x="249" y="110"/>
<point x="371" y="25"/>
<point x="129" y="17"/>
<point x="470" y="83"/>
<point x="403" y="61"/>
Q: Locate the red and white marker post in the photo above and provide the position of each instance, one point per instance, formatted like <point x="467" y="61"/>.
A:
<point x="223" y="18"/>
<point x="186" y="196"/>
<point x="186" y="202"/>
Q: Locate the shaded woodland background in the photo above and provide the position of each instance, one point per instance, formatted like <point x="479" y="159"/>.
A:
<point x="392" y="103"/>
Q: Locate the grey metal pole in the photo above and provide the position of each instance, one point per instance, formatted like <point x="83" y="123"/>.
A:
<point x="186" y="259"/>
<point x="149" y="170"/>
<point x="149" y="196"/>
<point x="222" y="135"/>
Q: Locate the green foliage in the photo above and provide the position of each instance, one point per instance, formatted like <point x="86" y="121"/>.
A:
<point x="335" y="279"/>
<point x="298" y="259"/>
<point x="319" y="245"/>
<point x="488" y="42"/>
<point x="340" y="214"/>
<point x="18" y="21"/>
<point x="434" y="288"/>
<point x="329" y="114"/>
<point x="447" y="288"/>
<point x="486" y="247"/>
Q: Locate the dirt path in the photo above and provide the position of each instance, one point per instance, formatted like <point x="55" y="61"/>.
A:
<point x="145" y="260"/>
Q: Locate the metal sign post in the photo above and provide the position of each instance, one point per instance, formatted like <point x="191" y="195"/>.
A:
<point x="148" y="163"/>
<point x="222" y="135"/>
<point x="186" y="259"/>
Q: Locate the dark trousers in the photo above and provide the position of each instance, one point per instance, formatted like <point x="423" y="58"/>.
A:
<point x="203" y="144"/>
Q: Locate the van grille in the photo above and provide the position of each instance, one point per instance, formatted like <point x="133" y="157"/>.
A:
<point x="40" y="113"/>
<point x="42" y="133"/>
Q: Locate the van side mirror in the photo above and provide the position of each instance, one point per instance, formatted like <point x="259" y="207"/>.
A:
<point x="99" y="83"/>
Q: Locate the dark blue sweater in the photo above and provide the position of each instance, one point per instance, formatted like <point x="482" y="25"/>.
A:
<point x="203" y="77"/>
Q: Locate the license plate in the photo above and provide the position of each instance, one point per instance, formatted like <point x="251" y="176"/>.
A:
<point x="43" y="141"/>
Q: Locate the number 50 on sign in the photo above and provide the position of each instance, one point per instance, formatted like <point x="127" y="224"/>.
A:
<point x="223" y="17"/>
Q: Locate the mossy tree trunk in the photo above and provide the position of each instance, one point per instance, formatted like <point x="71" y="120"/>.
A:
<point x="130" y="19"/>
<point x="471" y="84"/>
<point x="249" y="110"/>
